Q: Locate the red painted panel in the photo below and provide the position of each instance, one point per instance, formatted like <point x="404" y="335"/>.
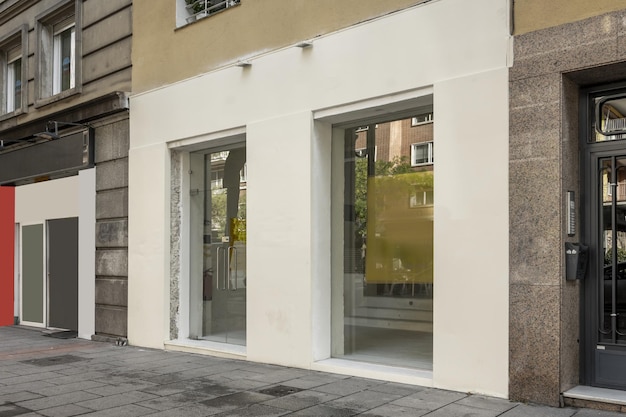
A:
<point x="7" y="254"/>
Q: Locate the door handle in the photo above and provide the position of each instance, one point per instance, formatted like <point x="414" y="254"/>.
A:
<point x="232" y="252"/>
<point x="221" y="255"/>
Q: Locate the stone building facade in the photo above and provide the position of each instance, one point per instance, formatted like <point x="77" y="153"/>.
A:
<point x="564" y="64"/>
<point x="64" y="130"/>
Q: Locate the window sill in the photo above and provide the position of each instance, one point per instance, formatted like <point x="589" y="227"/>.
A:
<point x="15" y="113"/>
<point x="41" y="102"/>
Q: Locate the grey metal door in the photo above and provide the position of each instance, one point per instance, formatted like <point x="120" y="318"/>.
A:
<point x="32" y="274"/>
<point x="63" y="273"/>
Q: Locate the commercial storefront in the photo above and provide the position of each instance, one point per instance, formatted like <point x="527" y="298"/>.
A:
<point x="49" y="279"/>
<point x="339" y="204"/>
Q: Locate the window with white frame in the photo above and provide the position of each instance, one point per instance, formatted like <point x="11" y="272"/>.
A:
<point x="422" y="154"/>
<point x="13" y="72"/>
<point x="64" y="56"/>
<point x="58" y="54"/>
<point x="14" y="80"/>
<point x="188" y="11"/>
<point x="422" y="119"/>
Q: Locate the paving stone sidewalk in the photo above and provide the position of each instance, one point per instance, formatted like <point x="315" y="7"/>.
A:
<point x="45" y="376"/>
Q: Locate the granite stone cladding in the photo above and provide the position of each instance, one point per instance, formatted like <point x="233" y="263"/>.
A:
<point x="549" y="66"/>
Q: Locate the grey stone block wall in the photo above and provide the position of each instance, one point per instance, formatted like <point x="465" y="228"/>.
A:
<point x="111" y="156"/>
<point x="549" y="67"/>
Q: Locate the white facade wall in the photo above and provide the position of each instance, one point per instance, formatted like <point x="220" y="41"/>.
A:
<point x="287" y="102"/>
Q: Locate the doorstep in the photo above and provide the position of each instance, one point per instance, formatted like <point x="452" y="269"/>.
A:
<point x="375" y="371"/>
<point x="598" y="398"/>
<point x="204" y="347"/>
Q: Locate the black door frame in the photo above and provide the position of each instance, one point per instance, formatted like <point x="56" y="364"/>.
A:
<point x="590" y="155"/>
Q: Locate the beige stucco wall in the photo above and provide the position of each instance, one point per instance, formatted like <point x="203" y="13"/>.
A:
<point x="530" y="15"/>
<point x="163" y="54"/>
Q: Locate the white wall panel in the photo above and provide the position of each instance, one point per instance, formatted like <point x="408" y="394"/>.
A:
<point x="56" y="199"/>
<point x="471" y="285"/>
<point x="457" y="49"/>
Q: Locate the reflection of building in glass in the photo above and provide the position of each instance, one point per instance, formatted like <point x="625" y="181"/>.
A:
<point x="388" y="251"/>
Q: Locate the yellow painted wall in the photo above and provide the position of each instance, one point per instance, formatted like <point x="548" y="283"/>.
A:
<point x="163" y="54"/>
<point x="531" y="15"/>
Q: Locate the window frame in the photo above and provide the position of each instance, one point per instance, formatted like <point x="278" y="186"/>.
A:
<point x="431" y="153"/>
<point x="57" y="53"/>
<point x="50" y="25"/>
<point x="15" y="43"/>
<point x="422" y="119"/>
<point x="186" y="15"/>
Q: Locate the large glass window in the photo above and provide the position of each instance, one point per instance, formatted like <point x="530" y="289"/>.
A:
<point x="218" y="273"/>
<point x="388" y="244"/>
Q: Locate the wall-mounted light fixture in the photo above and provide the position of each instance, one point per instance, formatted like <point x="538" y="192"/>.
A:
<point x="305" y="44"/>
<point x="51" y="134"/>
<point x="243" y="64"/>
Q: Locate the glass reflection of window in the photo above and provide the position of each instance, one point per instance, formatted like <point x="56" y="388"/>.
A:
<point x="611" y="118"/>
<point x="422" y="153"/>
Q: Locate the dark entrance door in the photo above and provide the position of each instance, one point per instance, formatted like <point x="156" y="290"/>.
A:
<point x="63" y="273"/>
<point x="604" y="193"/>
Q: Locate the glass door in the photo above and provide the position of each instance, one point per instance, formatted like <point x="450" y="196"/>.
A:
<point x="220" y="298"/>
<point x="608" y="278"/>
<point x="388" y="244"/>
<point x="611" y="291"/>
<point x="604" y="196"/>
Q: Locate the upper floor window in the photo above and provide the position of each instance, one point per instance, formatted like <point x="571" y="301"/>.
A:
<point x="422" y="119"/>
<point x="14" y="79"/>
<point x="12" y="51"/>
<point x="64" y="59"/>
<point x="58" y="53"/>
<point x="188" y="11"/>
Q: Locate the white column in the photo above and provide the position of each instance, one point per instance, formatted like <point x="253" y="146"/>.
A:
<point x="87" y="253"/>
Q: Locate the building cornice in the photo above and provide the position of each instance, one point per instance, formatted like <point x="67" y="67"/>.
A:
<point x="83" y="113"/>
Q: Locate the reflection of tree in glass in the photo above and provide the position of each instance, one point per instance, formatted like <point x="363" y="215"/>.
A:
<point x="399" y="165"/>
<point x="218" y="208"/>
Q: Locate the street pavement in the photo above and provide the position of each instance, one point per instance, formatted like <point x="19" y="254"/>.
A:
<point x="46" y="376"/>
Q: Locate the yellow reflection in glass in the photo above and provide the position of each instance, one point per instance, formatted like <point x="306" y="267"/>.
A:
<point x="400" y="229"/>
